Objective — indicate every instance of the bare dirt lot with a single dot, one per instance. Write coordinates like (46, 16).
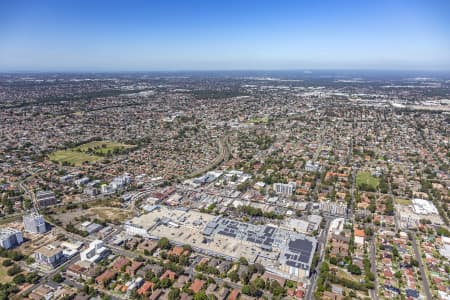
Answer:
(103, 213)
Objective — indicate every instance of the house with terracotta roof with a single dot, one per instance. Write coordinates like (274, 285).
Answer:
(145, 288)
(132, 269)
(339, 245)
(359, 236)
(120, 263)
(299, 294)
(168, 274)
(233, 295)
(178, 251)
(148, 245)
(81, 270)
(197, 285)
(106, 276)
(331, 296)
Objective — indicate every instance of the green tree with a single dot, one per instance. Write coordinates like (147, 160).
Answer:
(276, 289)
(354, 269)
(234, 276)
(164, 243)
(200, 296)
(58, 278)
(174, 294)
(243, 261)
(19, 279)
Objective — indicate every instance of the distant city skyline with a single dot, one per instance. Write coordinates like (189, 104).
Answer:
(228, 35)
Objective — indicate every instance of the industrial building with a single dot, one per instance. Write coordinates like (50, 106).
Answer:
(90, 227)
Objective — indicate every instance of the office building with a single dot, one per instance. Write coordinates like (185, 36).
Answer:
(49, 255)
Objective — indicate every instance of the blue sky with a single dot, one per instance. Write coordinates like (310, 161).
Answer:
(69, 35)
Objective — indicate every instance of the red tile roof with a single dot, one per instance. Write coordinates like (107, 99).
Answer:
(145, 287)
(359, 232)
(197, 285)
(120, 262)
(233, 295)
(168, 274)
(108, 274)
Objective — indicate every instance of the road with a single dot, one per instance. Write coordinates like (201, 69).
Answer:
(25, 189)
(397, 225)
(423, 274)
(352, 194)
(321, 244)
(47, 277)
(373, 268)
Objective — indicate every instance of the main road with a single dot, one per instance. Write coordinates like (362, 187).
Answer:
(423, 274)
(321, 242)
(373, 268)
(224, 153)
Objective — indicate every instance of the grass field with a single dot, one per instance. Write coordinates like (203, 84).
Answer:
(263, 120)
(366, 179)
(345, 275)
(102, 147)
(111, 213)
(89, 152)
(72, 157)
(403, 201)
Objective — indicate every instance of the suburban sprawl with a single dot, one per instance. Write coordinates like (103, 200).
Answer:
(225, 185)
